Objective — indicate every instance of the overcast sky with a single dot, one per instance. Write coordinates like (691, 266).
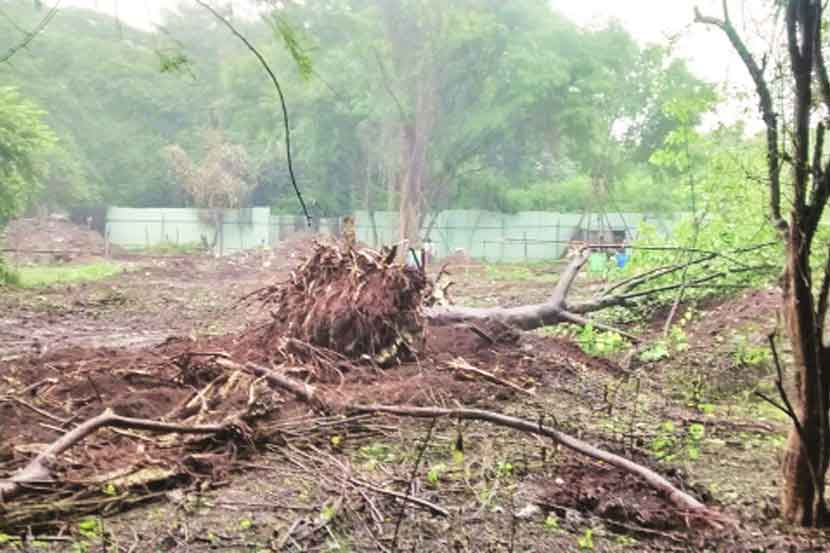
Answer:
(649, 21)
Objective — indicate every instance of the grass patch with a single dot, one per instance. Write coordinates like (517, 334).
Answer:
(525, 272)
(8, 276)
(30, 277)
(172, 248)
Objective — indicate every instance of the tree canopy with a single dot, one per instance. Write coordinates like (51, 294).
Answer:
(25, 141)
(473, 104)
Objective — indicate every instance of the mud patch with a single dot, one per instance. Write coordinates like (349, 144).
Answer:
(609, 493)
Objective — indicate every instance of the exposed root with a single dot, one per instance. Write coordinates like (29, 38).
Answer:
(357, 302)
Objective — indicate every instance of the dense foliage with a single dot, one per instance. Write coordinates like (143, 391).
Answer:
(478, 103)
(25, 141)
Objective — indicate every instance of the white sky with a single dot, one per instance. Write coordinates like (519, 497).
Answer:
(649, 21)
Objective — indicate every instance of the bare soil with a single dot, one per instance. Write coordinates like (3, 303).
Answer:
(303, 482)
(49, 240)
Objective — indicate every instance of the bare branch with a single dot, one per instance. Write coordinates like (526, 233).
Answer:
(37, 471)
(676, 496)
(412, 476)
(299, 389)
(385, 80)
(768, 114)
(787, 409)
(461, 364)
(568, 276)
(30, 36)
(621, 299)
(274, 80)
(406, 498)
(578, 319)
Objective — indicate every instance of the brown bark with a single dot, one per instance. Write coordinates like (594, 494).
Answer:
(805, 459)
(526, 317)
(806, 456)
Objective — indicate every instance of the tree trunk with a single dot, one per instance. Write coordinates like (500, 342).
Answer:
(410, 186)
(806, 454)
(526, 317)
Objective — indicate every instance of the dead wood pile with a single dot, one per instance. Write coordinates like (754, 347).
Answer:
(358, 302)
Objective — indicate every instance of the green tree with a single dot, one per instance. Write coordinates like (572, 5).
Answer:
(25, 140)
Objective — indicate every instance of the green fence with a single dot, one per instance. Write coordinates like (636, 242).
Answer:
(486, 235)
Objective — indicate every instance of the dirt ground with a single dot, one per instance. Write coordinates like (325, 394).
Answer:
(293, 480)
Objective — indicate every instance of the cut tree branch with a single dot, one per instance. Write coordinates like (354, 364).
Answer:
(38, 470)
(674, 495)
(677, 497)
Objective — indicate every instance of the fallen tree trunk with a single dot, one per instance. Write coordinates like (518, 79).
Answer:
(526, 317)
(558, 310)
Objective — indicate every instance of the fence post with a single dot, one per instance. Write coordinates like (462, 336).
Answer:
(524, 237)
(556, 244)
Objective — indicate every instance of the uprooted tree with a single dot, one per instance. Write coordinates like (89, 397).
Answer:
(799, 141)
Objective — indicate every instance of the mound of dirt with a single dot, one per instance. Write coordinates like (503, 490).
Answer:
(62, 239)
(609, 493)
(357, 302)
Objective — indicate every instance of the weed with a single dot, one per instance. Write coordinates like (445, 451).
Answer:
(625, 540)
(172, 248)
(656, 352)
(747, 354)
(375, 454)
(669, 442)
(665, 443)
(596, 342)
(504, 469)
(90, 527)
(434, 473)
(336, 544)
(551, 523)
(678, 340)
(693, 438)
(8, 276)
(328, 512)
(9, 540)
(518, 273)
(586, 540)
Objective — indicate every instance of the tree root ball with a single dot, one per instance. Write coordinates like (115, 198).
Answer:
(359, 302)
